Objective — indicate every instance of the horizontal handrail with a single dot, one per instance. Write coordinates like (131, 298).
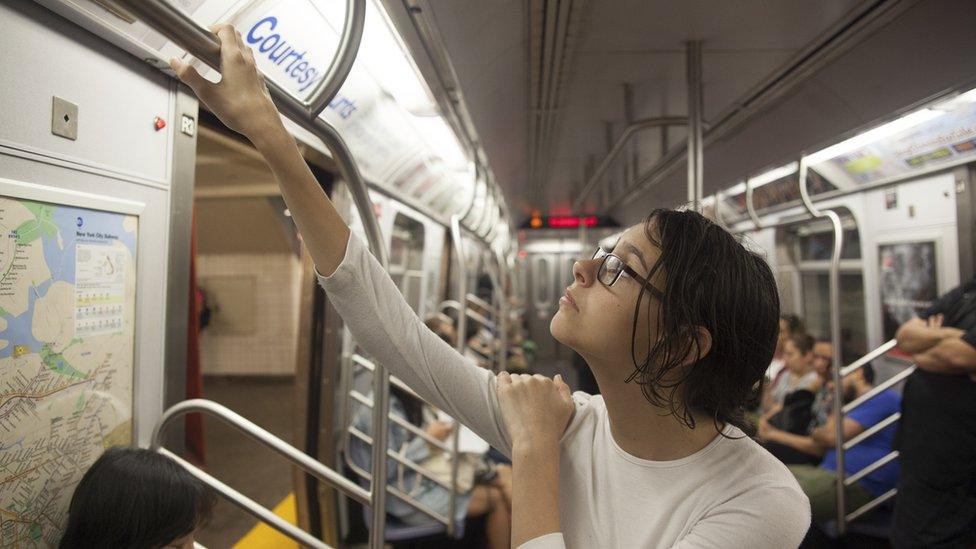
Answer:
(481, 303)
(247, 504)
(867, 433)
(419, 469)
(393, 490)
(871, 504)
(456, 305)
(878, 389)
(261, 436)
(368, 402)
(368, 365)
(879, 463)
(618, 147)
(859, 363)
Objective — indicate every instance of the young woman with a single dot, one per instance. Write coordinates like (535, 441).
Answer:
(800, 373)
(678, 326)
(132, 498)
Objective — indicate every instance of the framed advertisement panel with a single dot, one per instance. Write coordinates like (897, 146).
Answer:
(909, 278)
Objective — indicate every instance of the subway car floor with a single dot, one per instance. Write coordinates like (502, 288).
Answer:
(243, 464)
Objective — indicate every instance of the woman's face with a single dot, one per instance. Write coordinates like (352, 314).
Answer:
(597, 321)
(794, 360)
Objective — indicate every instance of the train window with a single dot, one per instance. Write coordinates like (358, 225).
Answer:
(809, 246)
(816, 311)
(818, 246)
(407, 259)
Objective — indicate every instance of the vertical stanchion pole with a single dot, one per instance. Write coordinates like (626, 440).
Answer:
(461, 346)
(834, 285)
(694, 81)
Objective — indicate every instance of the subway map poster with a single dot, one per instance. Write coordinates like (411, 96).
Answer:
(67, 334)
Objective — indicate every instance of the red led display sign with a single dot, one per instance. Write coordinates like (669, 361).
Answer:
(568, 222)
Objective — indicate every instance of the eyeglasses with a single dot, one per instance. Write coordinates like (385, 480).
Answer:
(612, 267)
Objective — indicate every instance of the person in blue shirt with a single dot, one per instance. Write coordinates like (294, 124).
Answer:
(819, 482)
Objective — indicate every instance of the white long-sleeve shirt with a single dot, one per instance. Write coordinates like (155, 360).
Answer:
(732, 493)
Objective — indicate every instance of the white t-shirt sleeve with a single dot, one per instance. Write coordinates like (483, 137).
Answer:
(770, 518)
(385, 326)
(548, 541)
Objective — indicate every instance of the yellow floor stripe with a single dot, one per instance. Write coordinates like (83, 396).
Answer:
(263, 536)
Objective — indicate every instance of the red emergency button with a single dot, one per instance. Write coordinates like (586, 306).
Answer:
(159, 123)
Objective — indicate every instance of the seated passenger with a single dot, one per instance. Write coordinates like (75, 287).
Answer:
(823, 361)
(936, 504)
(819, 483)
(133, 498)
(798, 375)
(660, 458)
(472, 500)
(789, 326)
(794, 446)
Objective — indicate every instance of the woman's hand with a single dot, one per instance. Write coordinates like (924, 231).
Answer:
(535, 408)
(241, 99)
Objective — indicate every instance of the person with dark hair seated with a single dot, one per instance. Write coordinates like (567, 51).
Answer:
(819, 483)
(789, 326)
(132, 498)
(790, 399)
(789, 439)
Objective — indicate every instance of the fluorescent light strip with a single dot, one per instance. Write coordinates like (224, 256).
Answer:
(885, 130)
(773, 175)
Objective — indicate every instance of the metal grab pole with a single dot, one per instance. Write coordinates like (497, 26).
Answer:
(750, 207)
(694, 81)
(345, 56)
(834, 278)
(260, 435)
(618, 147)
(247, 504)
(461, 344)
(185, 32)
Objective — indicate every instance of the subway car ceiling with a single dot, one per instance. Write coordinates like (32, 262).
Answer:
(522, 117)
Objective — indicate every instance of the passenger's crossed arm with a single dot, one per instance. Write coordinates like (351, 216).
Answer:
(937, 349)
(919, 335)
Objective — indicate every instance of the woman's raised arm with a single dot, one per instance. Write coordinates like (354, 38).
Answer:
(242, 102)
(363, 293)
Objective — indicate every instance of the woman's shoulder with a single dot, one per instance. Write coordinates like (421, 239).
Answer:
(748, 463)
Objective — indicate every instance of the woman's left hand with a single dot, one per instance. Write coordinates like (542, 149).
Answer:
(535, 409)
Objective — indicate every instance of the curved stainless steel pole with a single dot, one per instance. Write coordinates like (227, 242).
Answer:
(461, 345)
(247, 504)
(618, 147)
(474, 192)
(335, 75)
(260, 435)
(717, 210)
(752, 209)
(693, 73)
(834, 284)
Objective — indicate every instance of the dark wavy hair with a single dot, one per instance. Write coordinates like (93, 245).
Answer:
(135, 499)
(803, 342)
(711, 282)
